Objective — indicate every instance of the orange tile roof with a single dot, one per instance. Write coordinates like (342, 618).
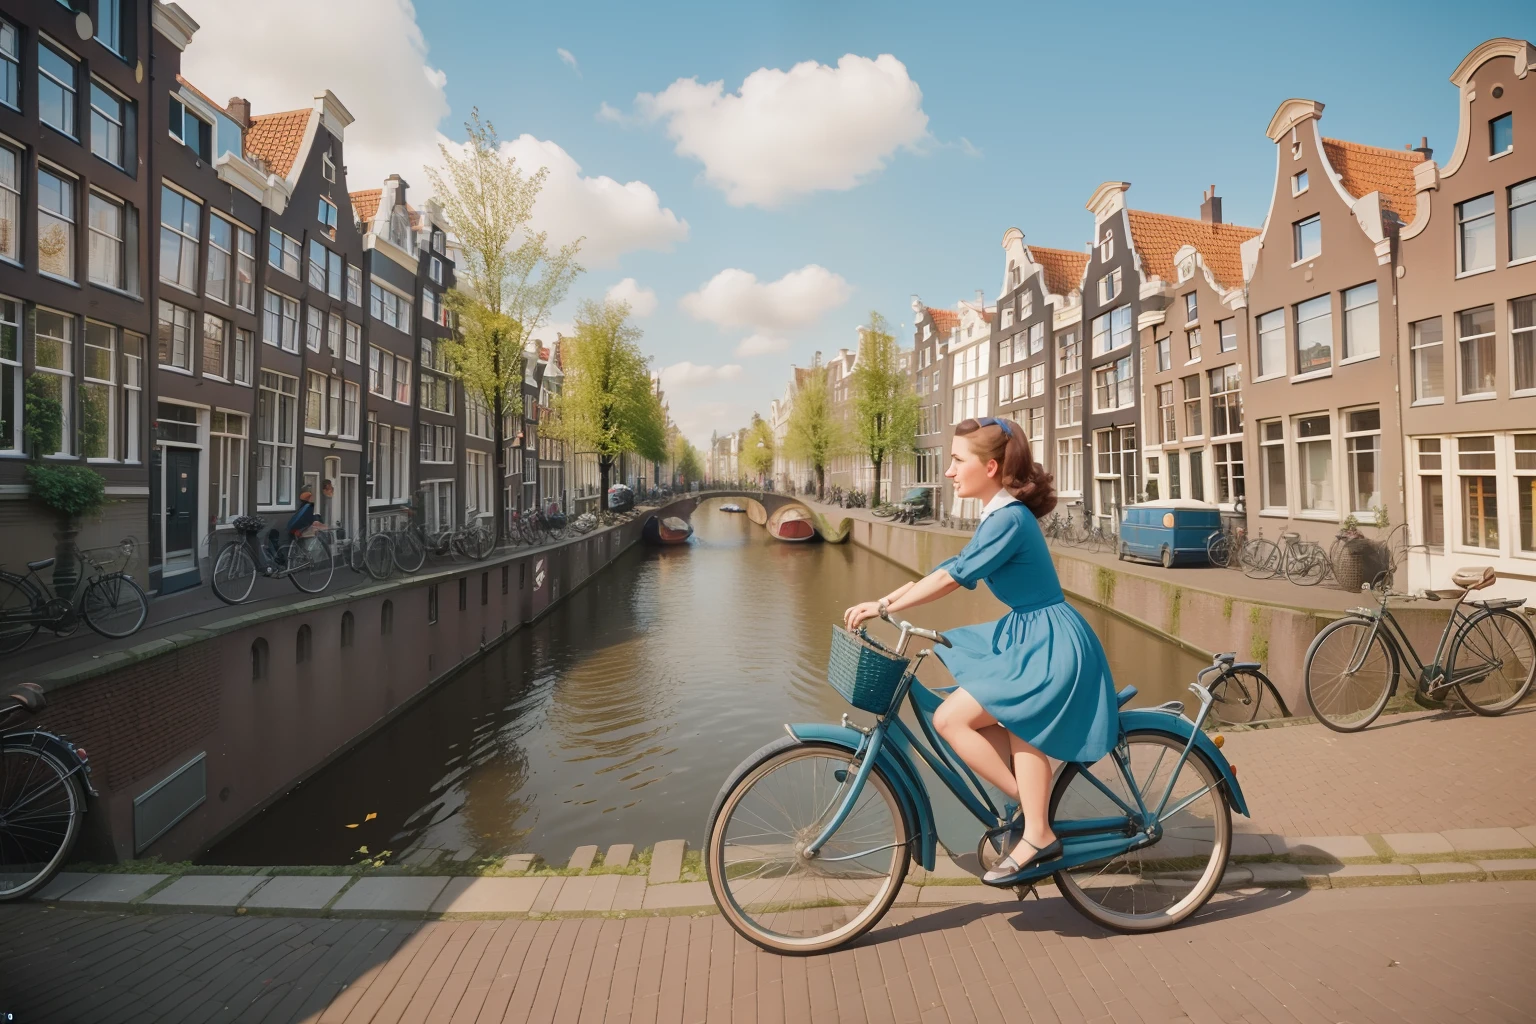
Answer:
(366, 203)
(275, 138)
(202, 95)
(943, 319)
(1063, 268)
(1158, 236)
(1367, 169)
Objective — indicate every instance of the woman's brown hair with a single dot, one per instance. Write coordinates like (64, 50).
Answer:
(1004, 441)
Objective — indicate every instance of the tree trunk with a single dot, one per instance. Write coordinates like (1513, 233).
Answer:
(604, 465)
(499, 437)
(821, 482)
(874, 491)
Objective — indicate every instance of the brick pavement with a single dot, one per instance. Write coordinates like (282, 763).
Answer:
(1427, 954)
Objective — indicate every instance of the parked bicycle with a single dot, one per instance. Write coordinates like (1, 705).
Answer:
(255, 550)
(1487, 656)
(373, 556)
(105, 598)
(1224, 547)
(1242, 693)
(810, 839)
(44, 779)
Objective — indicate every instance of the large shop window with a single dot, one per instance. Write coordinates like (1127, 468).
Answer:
(1314, 463)
(277, 428)
(1476, 469)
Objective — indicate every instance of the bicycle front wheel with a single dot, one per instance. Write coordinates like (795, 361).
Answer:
(378, 556)
(18, 603)
(766, 887)
(114, 606)
(1157, 886)
(310, 565)
(1349, 673)
(1244, 697)
(234, 573)
(1306, 568)
(479, 541)
(410, 551)
(40, 809)
(1493, 660)
(1262, 560)
(1218, 548)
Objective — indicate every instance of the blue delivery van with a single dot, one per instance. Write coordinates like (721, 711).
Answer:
(1172, 531)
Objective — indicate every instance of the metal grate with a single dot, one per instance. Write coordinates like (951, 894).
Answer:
(159, 808)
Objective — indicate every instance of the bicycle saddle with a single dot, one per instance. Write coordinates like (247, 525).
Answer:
(29, 696)
(1475, 577)
(41, 563)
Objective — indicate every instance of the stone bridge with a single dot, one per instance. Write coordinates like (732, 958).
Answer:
(762, 508)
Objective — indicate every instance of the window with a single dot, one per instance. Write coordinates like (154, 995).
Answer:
(317, 262)
(1362, 324)
(280, 322)
(109, 115)
(1167, 421)
(227, 440)
(10, 373)
(436, 442)
(1112, 330)
(190, 130)
(354, 342)
(381, 371)
(1431, 493)
(1298, 183)
(1228, 462)
(1426, 341)
(1525, 489)
(1007, 316)
(1314, 462)
(1228, 331)
(54, 349)
(1522, 221)
(1314, 334)
(277, 412)
(1362, 439)
(355, 285)
(283, 252)
(477, 417)
(1069, 404)
(402, 380)
(1036, 338)
(179, 218)
(1112, 386)
(429, 304)
(221, 242)
(435, 267)
(245, 270)
(1193, 427)
(1474, 235)
(1475, 464)
(215, 347)
(1197, 474)
(333, 334)
(1501, 134)
(1036, 425)
(1004, 353)
(1226, 402)
(389, 307)
(1026, 304)
(327, 215)
(1191, 308)
(1272, 464)
(1109, 286)
(174, 336)
(10, 65)
(1069, 353)
(351, 403)
(314, 403)
(1309, 237)
(1474, 341)
(1192, 344)
(10, 203)
(55, 224)
(106, 256)
(1162, 350)
(1272, 343)
(1037, 380)
(314, 329)
(109, 25)
(56, 88)
(133, 393)
(1522, 340)
(242, 345)
(98, 393)
(438, 244)
(1069, 465)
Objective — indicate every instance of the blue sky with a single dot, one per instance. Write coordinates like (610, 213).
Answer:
(1028, 108)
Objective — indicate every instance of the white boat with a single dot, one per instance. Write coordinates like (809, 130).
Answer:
(731, 508)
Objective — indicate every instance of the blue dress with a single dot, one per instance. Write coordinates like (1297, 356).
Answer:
(1039, 670)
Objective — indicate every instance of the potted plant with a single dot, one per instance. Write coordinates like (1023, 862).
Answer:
(1360, 559)
(71, 493)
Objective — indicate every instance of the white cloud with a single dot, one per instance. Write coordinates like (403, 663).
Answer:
(691, 375)
(786, 133)
(398, 112)
(760, 345)
(567, 58)
(642, 301)
(607, 112)
(735, 298)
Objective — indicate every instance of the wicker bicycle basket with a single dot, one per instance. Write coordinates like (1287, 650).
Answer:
(862, 673)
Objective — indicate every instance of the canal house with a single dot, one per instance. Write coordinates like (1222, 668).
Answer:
(969, 354)
(1467, 330)
(930, 331)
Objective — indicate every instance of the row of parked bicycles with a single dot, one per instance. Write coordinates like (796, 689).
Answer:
(1349, 560)
(100, 594)
(1079, 528)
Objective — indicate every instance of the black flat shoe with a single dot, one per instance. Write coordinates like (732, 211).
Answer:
(1008, 870)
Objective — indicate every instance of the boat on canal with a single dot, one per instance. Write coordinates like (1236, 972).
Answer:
(731, 507)
(791, 523)
(668, 530)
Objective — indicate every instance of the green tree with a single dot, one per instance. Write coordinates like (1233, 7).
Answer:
(608, 405)
(757, 452)
(691, 466)
(509, 278)
(814, 434)
(884, 404)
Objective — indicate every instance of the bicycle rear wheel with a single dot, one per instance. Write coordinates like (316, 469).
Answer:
(234, 572)
(1244, 697)
(1306, 567)
(767, 812)
(18, 601)
(1157, 886)
(1350, 671)
(410, 551)
(114, 606)
(1262, 560)
(479, 540)
(1496, 654)
(1218, 548)
(378, 556)
(40, 809)
(310, 565)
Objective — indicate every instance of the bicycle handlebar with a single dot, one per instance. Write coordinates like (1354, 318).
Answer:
(927, 634)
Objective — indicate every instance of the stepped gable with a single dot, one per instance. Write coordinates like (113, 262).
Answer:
(275, 139)
(1365, 169)
(1158, 236)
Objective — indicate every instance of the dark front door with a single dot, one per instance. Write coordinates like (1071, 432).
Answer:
(181, 491)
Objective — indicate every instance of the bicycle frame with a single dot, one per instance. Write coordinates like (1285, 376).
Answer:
(891, 744)
(38, 611)
(1425, 673)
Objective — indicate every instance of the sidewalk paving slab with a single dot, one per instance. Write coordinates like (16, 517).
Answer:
(1277, 875)
(1335, 848)
(675, 895)
(630, 893)
(1449, 871)
(1529, 832)
(1370, 874)
(1510, 870)
(604, 889)
(488, 896)
(1408, 844)
(112, 888)
(62, 883)
(961, 894)
(398, 893)
(667, 860)
(582, 858)
(207, 890)
(544, 902)
(619, 855)
(297, 892)
(1256, 844)
(573, 894)
(1476, 840)
(518, 862)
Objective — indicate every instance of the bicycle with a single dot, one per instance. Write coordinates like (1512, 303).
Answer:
(1224, 547)
(307, 562)
(44, 779)
(1239, 693)
(105, 598)
(373, 557)
(809, 840)
(1266, 559)
(1353, 666)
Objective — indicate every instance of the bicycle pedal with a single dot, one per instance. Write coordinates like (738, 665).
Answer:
(1023, 891)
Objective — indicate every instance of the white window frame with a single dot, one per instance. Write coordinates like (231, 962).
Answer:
(1298, 230)
(289, 253)
(104, 240)
(1271, 441)
(1481, 220)
(1325, 303)
(245, 269)
(65, 372)
(1522, 336)
(170, 359)
(109, 384)
(119, 124)
(220, 254)
(1302, 445)
(1486, 340)
(66, 216)
(1271, 342)
(177, 235)
(1362, 319)
(1462, 473)
(285, 319)
(284, 391)
(11, 375)
(227, 453)
(70, 111)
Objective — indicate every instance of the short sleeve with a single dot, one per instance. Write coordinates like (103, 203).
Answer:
(993, 545)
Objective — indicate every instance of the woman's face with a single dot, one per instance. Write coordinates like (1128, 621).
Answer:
(973, 478)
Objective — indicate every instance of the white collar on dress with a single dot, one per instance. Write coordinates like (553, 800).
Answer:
(999, 500)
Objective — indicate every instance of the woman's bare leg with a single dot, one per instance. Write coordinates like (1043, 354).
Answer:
(966, 726)
(1033, 771)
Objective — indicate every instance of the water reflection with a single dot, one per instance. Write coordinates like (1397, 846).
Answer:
(618, 716)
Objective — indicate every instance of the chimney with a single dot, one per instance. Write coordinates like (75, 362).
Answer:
(239, 109)
(1423, 148)
(1210, 207)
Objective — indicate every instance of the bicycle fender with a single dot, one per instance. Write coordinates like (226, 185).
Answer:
(66, 753)
(1182, 728)
(903, 775)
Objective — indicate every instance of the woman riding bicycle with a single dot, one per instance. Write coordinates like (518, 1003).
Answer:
(1034, 685)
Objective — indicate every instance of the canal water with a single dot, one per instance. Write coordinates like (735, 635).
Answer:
(617, 717)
